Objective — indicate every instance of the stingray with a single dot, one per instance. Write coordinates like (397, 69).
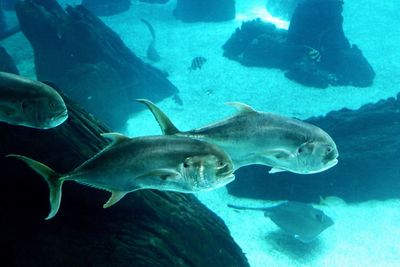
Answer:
(297, 219)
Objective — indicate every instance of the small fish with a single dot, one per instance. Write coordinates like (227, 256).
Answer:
(252, 137)
(297, 219)
(167, 163)
(152, 53)
(197, 63)
(30, 103)
(314, 54)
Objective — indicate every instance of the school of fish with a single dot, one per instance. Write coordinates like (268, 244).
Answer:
(183, 161)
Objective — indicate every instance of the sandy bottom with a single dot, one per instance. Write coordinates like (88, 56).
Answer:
(365, 234)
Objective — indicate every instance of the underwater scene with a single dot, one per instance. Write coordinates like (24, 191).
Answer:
(200, 133)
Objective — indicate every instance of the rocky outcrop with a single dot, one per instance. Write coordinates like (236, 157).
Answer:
(313, 51)
(368, 143)
(78, 52)
(146, 228)
(204, 10)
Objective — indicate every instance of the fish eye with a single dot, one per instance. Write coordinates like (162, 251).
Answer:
(319, 217)
(299, 150)
(329, 149)
(221, 164)
(185, 165)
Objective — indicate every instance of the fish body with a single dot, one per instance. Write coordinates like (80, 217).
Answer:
(297, 219)
(30, 103)
(197, 63)
(152, 53)
(313, 53)
(252, 137)
(167, 163)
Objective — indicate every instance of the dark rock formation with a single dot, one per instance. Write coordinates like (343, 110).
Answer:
(146, 228)
(314, 51)
(8, 4)
(106, 7)
(7, 64)
(369, 144)
(204, 10)
(79, 53)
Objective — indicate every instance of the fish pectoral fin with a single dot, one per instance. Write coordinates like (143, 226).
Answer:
(164, 174)
(116, 138)
(7, 110)
(275, 170)
(115, 197)
(279, 153)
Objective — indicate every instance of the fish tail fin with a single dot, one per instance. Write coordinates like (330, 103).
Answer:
(51, 177)
(166, 125)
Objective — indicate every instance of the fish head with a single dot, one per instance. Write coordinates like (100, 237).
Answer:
(208, 171)
(316, 156)
(321, 219)
(44, 112)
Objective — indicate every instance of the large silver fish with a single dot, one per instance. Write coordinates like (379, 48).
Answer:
(252, 137)
(168, 163)
(300, 220)
(30, 103)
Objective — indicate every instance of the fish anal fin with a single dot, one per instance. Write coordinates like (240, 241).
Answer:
(116, 138)
(164, 174)
(241, 107)
(115, 197)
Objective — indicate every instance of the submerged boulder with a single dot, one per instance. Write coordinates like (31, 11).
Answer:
(313, 51)
(76, 51)
(146, 228)
(368, 169)
(204, 10)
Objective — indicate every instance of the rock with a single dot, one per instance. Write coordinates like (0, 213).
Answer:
(7, 64)
(313, 51)
(368, 167)
(146, 228)
(78, 52)
(106, 7)
(204, 10)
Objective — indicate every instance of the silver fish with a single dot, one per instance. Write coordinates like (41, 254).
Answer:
(252, 137)
(197, 63)
(30, 103)
(300, 220)
(313, 53)
(167, 163)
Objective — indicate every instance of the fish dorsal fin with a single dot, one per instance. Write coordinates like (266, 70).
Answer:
(116, 138)
(166, 125)
(241, 107)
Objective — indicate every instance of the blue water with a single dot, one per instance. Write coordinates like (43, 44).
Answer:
(364, 234)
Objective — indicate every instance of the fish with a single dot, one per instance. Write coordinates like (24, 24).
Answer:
(297, 219)
(197, 63)
(152, 53)
(253, 137)
(166, 163)
(313, 53)
(30, 103)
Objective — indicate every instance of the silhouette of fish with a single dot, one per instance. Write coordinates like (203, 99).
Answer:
(297, 219)
(152, 53)
(197, 63)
